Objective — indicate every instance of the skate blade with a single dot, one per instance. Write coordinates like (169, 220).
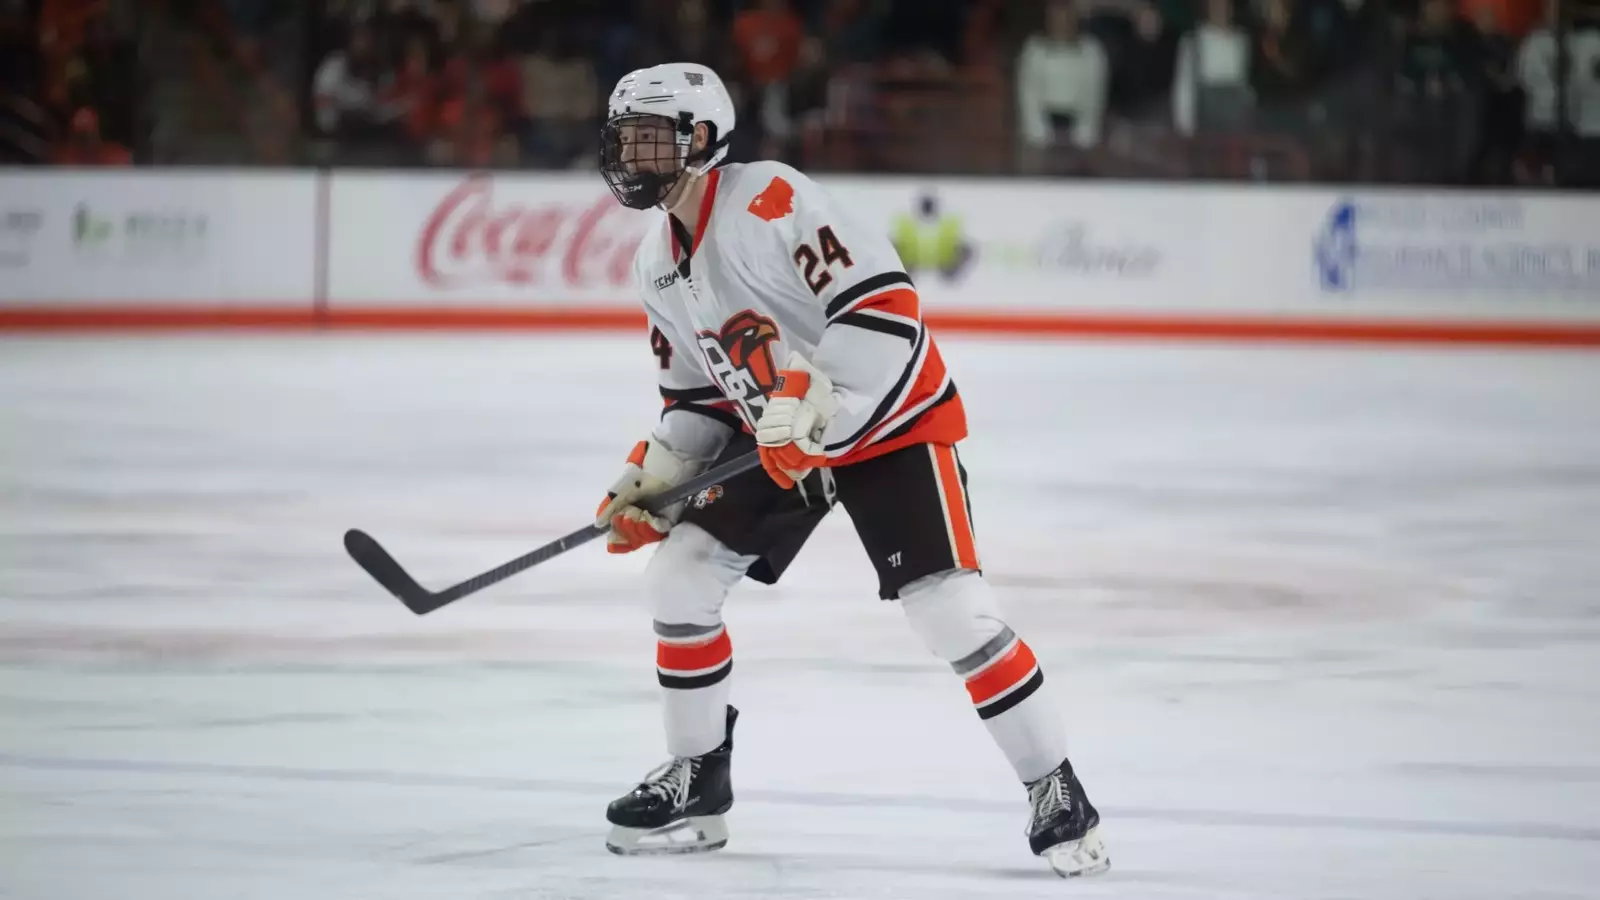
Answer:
(696, 834)
(1085, 856)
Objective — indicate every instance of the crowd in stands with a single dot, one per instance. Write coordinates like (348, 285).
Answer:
(68, 83)
(1452, 91)
(1462, 90)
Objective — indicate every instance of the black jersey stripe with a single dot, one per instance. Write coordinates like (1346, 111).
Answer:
(891, 400)
(878, 324)
(850, 295)
(711, 412)
(692, 395)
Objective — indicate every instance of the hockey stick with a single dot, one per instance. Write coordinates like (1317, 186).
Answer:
(371, 556)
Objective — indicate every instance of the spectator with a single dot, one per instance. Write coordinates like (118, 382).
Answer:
(346, 87)
(85, 147)
(1512, 18)
(1214, 60)
(400, 24)
(849, 31)
(1062, 82)
(804, 114)
(768, 38)
(503, 104)
(1583, 84)
(1440, 105)
(1503, 99)
(1140, 47)
(1340, 33)
(450, 21)
(1435, 61)
(1536, 74)
(1576, 161)
(693, 38)
(62, 26)
(562, 97)
(1281, 64)
(412, 97)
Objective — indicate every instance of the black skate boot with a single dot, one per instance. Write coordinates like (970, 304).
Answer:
(678, 807)
(1065, 827)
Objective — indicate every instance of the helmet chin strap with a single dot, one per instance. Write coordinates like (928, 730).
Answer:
(686, 180)
(689, 174)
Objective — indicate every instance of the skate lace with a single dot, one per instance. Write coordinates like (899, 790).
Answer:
(1049, 796)
(670, 780)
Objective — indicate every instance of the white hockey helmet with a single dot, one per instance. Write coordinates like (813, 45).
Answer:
(680, 95)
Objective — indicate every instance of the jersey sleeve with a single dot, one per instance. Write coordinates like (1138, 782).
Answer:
(696, 419)
(874, 346)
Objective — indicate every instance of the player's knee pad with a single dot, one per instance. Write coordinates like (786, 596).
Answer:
(689, 576)
(954, 612)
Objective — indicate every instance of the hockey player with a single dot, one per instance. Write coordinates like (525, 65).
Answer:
(779, 323)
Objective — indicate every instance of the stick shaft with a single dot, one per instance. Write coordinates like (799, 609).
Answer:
(384, 569)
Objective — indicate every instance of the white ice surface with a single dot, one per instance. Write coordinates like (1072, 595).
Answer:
(1325, 623)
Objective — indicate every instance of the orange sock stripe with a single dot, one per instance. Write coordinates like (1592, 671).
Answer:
(694, 657)
(1008, 671)
(955, 507)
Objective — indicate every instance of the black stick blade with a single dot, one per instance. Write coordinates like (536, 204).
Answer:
(377, 562)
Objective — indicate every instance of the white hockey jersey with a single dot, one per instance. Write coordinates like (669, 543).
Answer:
(776, 265)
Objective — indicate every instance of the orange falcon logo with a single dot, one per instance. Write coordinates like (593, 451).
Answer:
(739, 359)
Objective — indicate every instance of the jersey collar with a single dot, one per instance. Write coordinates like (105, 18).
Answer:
(706, 202)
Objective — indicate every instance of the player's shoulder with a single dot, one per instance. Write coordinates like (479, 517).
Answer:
(767, 189)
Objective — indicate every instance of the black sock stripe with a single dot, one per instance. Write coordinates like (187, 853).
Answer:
(1012, 699)
(689, 683)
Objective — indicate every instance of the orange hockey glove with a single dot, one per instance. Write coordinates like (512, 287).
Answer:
(789, 433)
(651, 468)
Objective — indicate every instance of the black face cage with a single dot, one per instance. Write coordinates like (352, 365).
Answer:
(667, 155)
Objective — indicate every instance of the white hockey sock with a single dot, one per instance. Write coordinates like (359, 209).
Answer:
(958, 618)
(693, 663)
(1007, 688)
(687, 580)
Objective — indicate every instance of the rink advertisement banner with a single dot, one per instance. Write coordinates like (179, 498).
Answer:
(1487, 252)
(1041, 246)
(509, 240)
(443, 249)
(149, 239)
(980, 248)
(442, 240)
(1160, 249)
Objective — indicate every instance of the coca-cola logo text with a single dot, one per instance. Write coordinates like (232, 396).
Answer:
(470, 241)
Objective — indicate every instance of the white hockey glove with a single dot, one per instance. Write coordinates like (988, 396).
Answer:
(789, 433)
(652, 468)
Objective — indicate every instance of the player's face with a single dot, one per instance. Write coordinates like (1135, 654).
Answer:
(648, 148)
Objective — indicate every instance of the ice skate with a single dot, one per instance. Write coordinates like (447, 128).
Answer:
(678, 807)
(1064, 828)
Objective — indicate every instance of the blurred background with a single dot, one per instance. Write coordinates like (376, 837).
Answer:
(1307, 537)
(1449, 92)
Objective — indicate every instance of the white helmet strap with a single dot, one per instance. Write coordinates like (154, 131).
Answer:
(715, 143)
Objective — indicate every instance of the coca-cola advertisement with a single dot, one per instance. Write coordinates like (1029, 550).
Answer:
(481, 240)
